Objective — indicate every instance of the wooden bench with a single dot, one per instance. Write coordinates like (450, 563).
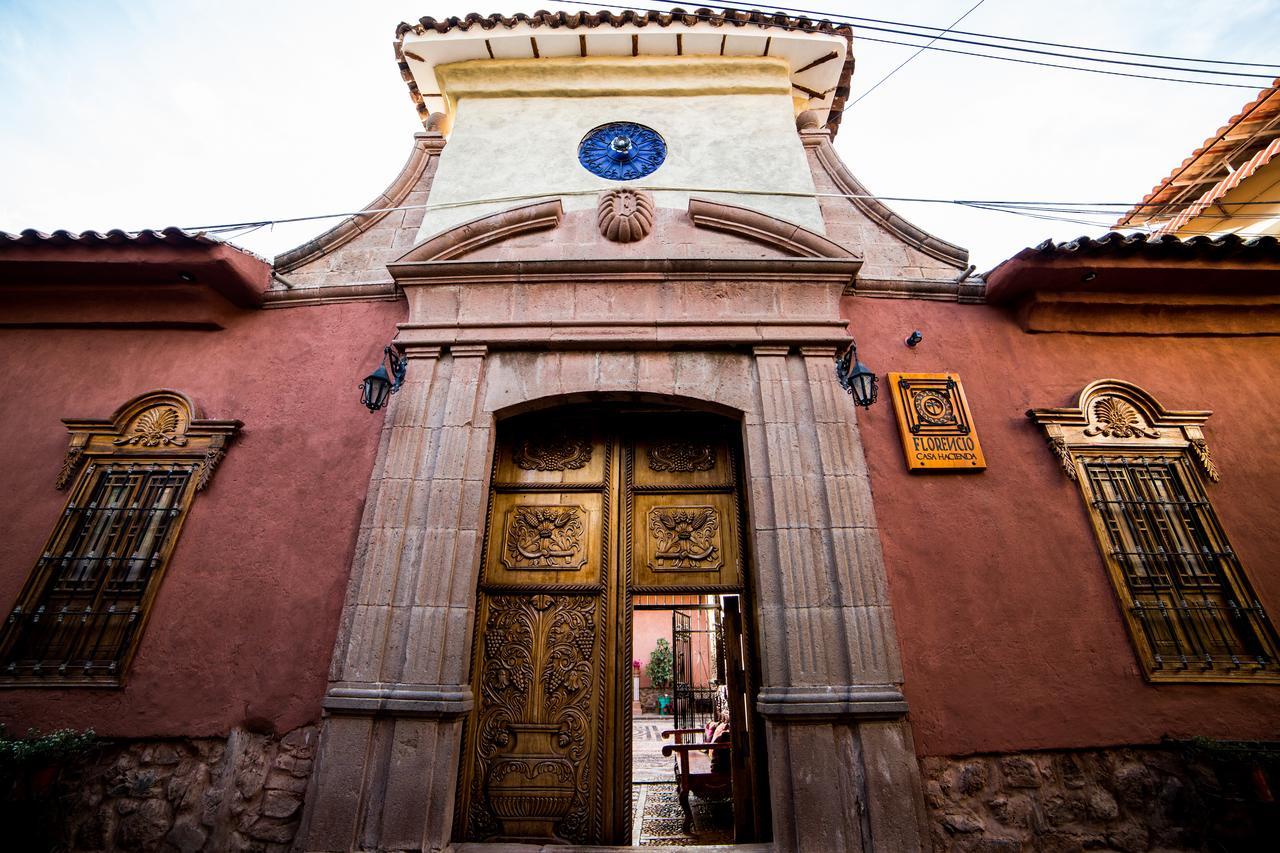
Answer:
(693, 769)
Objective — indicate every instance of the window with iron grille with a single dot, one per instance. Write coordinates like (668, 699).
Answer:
(132, 479)
(83, 610)
(1188, 604)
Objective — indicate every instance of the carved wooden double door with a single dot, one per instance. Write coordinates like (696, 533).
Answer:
(584, 510)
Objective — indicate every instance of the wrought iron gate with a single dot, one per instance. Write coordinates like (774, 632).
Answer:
(693, 688)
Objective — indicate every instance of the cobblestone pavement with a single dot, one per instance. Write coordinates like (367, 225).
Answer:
(656, 816)
(657, 819)
(647, 763)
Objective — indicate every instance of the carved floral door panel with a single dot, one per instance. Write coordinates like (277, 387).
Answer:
(684, 509)
(582, 510)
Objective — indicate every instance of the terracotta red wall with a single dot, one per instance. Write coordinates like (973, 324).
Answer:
(1010, 630)
(244, 623)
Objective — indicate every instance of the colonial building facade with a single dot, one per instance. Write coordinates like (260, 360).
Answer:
(992, 610)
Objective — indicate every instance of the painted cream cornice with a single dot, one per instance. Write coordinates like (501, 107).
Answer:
(612, 76)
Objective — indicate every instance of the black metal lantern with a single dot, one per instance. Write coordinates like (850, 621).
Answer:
(382, 383)
(856, 378)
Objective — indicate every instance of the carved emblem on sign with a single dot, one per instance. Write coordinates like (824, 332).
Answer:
(1114, 418)
(682, 456)
(155, 428)
(684, 537)
(933, 407)
(934, 423)
(554, 452)
(544, 537)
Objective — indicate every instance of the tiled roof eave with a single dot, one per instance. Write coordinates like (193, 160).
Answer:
(1264, 109)
(171, 237)
(1200, 247)
(1198, 262)
(148, 256)
(605, 18)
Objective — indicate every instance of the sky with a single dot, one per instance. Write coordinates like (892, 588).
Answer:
(147, 114)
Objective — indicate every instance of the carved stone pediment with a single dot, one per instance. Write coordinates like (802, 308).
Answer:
(1118, 415)
(160, 424)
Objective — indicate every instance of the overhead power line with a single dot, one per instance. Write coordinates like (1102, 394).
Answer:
(1087, 208)
(900, 65)
(1253, 88)
(980, 54)
(1266, 78)
(1275, 67)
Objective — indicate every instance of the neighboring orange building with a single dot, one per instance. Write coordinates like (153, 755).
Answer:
(299, 625)
(1229, 185)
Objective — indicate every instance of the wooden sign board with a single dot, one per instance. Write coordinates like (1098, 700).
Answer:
(935, 423)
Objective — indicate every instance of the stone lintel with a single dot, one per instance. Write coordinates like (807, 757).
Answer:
(811, 704)
(473, 339)
(624, 269)
(401, 700)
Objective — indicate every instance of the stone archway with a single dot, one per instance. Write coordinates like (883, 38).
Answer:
(830, 693)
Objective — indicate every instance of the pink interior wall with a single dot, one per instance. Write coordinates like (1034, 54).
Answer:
(1010, 630)
(244, 622)
(649, 625)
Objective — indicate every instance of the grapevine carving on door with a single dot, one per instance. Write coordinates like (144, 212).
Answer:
(552, 452)
(533, 744)
(682, 456)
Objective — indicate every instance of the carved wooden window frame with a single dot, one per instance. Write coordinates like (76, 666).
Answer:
(158, 441)
(1118, 425)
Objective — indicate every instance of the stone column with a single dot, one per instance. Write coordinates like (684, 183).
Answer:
(386, 771)
(843, 771)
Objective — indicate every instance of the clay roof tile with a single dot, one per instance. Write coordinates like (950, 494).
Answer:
(639, 18)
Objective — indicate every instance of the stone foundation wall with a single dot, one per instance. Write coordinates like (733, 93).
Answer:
(239, 793)
(1126, 799)
(649, 698)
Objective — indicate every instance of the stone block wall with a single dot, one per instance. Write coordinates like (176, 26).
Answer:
(1123, 799)
(240, 793)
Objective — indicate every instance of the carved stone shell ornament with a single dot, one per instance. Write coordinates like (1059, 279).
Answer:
(156, 428)
(1114, 418)
(625, 216)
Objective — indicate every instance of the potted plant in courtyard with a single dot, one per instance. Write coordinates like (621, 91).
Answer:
(659, 672)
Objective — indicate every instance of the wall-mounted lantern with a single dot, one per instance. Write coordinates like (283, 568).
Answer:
(383, 381)
(856, 378)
